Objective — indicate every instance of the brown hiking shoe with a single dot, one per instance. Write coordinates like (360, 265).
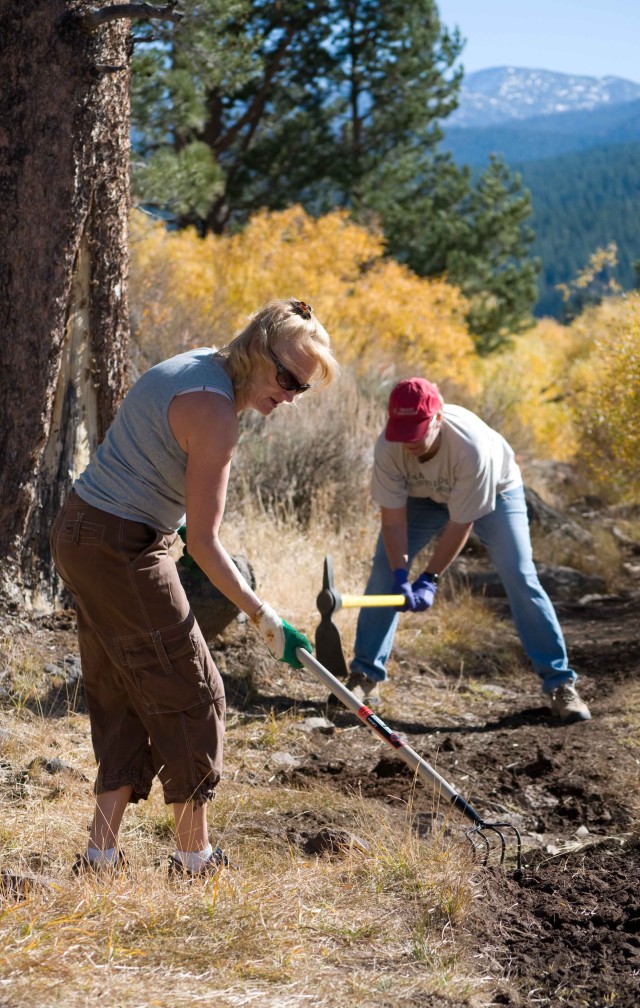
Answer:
(364, 689)
(567, 705)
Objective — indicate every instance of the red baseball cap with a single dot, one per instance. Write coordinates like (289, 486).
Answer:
(413, 403)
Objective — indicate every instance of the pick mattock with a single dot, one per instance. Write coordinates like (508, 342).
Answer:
(330, 601)
(328, 645)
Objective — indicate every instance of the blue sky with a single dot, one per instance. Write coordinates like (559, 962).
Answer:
(600, 38)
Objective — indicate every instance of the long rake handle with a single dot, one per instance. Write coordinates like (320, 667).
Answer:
(371, 601)
(404, 751)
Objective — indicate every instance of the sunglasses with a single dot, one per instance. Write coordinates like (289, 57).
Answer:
(285, 378)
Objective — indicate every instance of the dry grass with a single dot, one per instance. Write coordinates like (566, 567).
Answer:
(288, 561)
(285, 929)
(602, 556)
(463, 633)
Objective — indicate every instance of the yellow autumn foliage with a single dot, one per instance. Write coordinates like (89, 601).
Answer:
(596, 276)
(186, 291)
(525, 390)
(572, 394)
(606, 397)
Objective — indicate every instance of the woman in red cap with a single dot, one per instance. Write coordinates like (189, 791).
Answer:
(439, 472)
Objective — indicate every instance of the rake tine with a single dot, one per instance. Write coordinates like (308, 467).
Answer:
(477, 830)
(410, 756)
(503, 845)
(497, 829)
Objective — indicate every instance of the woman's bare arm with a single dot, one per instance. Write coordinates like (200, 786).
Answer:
(206, 427)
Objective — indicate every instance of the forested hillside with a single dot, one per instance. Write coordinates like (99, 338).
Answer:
(582, 170)
(581, 202)
(545, 136)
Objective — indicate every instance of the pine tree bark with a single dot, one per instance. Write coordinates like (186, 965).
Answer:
(64, 192)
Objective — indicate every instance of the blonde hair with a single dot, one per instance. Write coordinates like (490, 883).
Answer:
(280, 322)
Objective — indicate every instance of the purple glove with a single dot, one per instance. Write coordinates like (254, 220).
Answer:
(424, 591)
(402, 586)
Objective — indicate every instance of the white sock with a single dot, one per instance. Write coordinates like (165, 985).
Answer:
(108, 856)
(192, 860)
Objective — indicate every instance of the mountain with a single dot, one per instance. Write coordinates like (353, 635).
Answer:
(575, 141)
(505, 94)
(545, 136)
(527, 115)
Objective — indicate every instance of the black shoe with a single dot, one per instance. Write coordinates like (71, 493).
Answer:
(83, 866)
(214, 863)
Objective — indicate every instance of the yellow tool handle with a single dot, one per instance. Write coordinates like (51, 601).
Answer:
(370, 601)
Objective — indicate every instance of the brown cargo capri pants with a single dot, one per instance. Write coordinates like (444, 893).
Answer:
(155, 697)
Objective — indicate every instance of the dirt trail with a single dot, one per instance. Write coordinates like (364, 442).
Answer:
(566, 930)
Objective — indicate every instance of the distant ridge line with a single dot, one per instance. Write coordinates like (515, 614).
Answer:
(507, 94)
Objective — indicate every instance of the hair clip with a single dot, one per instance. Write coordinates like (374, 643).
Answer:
(301, 308)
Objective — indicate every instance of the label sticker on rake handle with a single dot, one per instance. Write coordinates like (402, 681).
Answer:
(380, 727)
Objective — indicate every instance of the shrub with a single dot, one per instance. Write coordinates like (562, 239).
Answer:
(187, 291)
(319, 460)
(525, 394)
(606, 399)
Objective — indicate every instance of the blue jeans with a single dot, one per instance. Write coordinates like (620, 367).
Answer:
(505, 535)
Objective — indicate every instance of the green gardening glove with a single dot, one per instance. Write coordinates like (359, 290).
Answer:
(294, 639)
(280, 637)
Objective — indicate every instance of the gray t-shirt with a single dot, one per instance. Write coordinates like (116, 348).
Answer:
(139, 470)
(471, 466)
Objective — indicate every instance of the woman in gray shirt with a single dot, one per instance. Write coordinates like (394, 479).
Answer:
(155, 698)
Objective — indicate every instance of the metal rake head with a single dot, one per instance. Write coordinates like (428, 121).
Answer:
(479, 833)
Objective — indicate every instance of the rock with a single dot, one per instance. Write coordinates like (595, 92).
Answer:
(568, 583)
(559, 582)
(54, 766)
(589, 600)
(553, 522)
(284, 761)
(70, 667)
(331, 840)
(631, 544)
(19, 885)
(320, 724)
(213, 610)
